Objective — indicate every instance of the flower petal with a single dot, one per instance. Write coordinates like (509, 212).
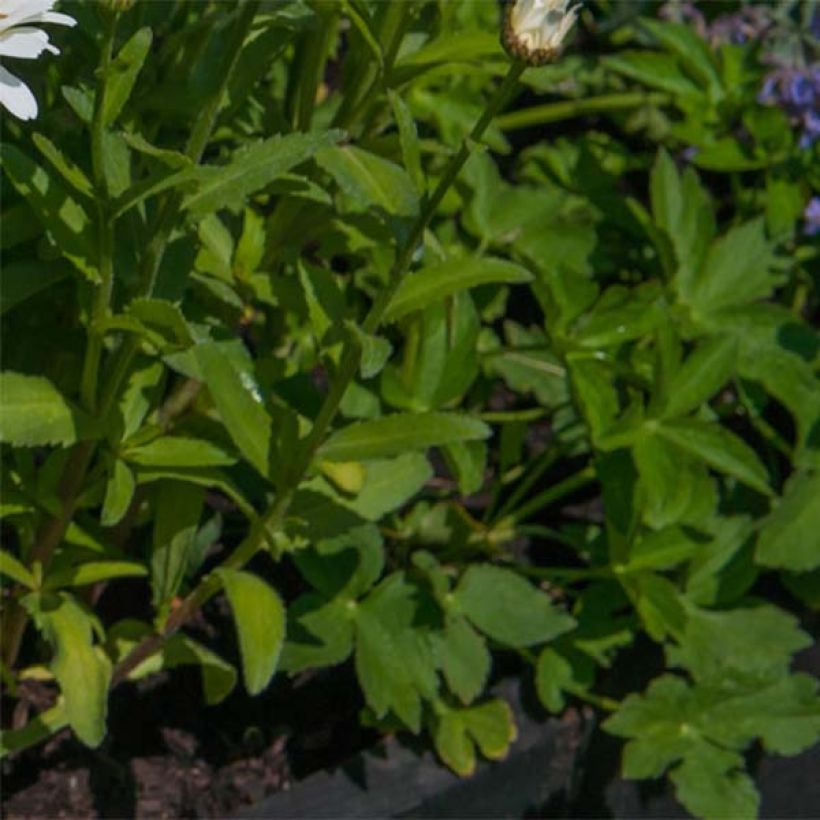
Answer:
(16, 96)
(25, 43)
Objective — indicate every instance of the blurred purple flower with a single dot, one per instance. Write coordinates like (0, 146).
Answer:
(801, 90)
(812, 217)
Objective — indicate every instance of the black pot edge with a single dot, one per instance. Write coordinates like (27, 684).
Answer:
(395, 780)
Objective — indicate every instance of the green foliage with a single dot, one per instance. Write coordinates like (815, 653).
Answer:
(550, 397)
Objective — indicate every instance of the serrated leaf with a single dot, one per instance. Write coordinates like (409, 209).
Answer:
(123, 73)
(748, 644)
(245, 418)
(738, 268)
(711, 785)
(381, 665)
(507, 608)
(33, 412)
(790, 535)
(719, 448)
(252, 169)
(59, 213)
(71, 173)
(553, 675)
(705, 371)
(432, 284)
(370, 181)
(83, 672)
(259, 615)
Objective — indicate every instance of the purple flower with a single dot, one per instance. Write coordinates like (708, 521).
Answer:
(812, 217)
(811, 129)
(801, 90)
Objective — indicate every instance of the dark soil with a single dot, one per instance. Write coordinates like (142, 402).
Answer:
(168, 756)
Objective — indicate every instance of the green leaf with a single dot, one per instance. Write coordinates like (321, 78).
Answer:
(507, 608)
(375, 350)
(259, 615)
(123, 73)
(753, 645)
(59, 213)
(33, 413)
(408, 139)
(490, 726)
(178, 510)
(673, 483)
(320, 633)
(370, 181)
(218, 676)
(710, 786)
(432, 284)
(164, 317)
(738, 269)
(71, 173)
(464, 659)
(23, 279)
(93, 571)
(179, 451)
(719, 448)
(245, 418)
(396, 434)
(790, 535)
(389, 484)
(250, 170)
(83, 671)
(381, 662)
(453, 744)
(38, 729)
(553, 675)
(468, 462)
(119, 490)
(705, 371)
(12, 568)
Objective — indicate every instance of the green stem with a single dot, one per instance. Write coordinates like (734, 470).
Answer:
(273, 518)
(568, 109)
(170, 208)
(53, 530)
(554, 493)
(105, 231)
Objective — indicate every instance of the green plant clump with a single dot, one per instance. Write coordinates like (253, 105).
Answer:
(471, 357)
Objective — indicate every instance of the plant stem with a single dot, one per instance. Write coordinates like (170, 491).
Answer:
(273, 518)
(567, 109)
(554, 493)
(52, 532)
(105, 231)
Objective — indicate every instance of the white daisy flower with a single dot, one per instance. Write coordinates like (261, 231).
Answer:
(19, 39)
(534, 30)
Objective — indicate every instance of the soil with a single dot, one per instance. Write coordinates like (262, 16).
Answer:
(167, 756)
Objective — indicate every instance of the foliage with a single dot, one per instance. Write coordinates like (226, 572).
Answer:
(214, 352)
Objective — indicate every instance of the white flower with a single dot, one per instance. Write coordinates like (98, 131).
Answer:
(20, 39)
(534, 30)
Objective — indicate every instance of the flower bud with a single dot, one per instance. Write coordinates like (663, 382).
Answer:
(534, 30)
